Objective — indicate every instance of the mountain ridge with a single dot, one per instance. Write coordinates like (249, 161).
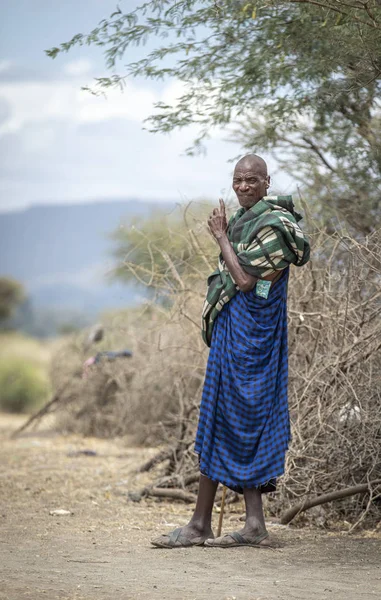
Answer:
(61, 253)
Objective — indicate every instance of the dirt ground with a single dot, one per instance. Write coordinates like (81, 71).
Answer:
(102, 550)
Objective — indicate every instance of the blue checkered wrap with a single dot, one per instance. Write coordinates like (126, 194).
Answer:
(244, 428)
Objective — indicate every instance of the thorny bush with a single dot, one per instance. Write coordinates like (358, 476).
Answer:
(334, 371)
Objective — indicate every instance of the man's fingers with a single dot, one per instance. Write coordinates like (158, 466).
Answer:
(222, 207)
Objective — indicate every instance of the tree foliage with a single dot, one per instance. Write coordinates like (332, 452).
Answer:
(303, 78)
(159, 252)
(11, 295)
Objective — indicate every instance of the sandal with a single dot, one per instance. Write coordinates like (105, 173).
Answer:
(236, 539)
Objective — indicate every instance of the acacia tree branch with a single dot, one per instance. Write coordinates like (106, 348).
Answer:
(317, 151)
(373, 24)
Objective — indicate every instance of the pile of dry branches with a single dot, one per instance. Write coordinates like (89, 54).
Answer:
(334, 384)
(334, 388)
(335, 376)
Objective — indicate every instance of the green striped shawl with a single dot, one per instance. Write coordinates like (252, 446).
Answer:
(266, 238)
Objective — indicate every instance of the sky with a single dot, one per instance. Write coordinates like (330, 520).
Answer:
(61, 144)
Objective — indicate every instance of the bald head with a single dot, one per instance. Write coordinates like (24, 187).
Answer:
(250, 180)
(255, 162)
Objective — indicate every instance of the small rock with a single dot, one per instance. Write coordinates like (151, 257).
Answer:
(60, 512)
(134, 496)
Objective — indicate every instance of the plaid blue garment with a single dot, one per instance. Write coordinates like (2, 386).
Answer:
(244, 428)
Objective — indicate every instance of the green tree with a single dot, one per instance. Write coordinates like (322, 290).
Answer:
(11, 295)
(165, 253)
(303, 78)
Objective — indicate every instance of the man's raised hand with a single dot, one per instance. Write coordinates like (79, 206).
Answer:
(222, 208)
(217, 222)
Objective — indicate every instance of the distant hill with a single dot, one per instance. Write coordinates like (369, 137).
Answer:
(61, 254)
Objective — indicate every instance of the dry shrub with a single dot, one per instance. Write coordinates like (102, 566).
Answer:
(92, 407)
(335, 375)
(334, 385)
(145, 396)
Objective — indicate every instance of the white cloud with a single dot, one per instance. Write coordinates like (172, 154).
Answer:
(173, 91)
(40, 102)
(134, 103)
(82, 66)
(43, 101)
(35, 102)
(59, 143)
(40, 141)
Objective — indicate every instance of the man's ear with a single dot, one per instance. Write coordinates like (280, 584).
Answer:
(268, 181)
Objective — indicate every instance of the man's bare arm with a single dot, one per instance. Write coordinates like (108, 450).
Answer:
(218, 225)
(244, 281)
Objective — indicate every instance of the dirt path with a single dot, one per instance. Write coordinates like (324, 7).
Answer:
(102, 550)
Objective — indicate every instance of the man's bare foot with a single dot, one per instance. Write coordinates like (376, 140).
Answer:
(189, 535)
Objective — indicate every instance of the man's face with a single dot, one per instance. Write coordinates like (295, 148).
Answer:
(250, 183)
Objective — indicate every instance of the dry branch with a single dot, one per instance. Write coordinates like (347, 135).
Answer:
(173, 493)
(155, 460)
(42, 412)
(291, 513)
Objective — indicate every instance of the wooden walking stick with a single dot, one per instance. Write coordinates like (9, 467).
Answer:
(221, 511)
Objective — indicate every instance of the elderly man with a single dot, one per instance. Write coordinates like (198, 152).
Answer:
(244, 430)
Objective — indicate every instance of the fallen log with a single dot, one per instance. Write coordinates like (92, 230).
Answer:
(337, 495)
(155, 460)
(174, 493)
(174, 481)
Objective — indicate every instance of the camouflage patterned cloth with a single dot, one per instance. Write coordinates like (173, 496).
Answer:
(266, 238)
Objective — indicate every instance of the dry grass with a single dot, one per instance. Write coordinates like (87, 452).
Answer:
(21, 346)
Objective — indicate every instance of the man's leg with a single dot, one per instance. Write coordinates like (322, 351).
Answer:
(255, 520)
(254, 527)
(201, 521)
(200, 524)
